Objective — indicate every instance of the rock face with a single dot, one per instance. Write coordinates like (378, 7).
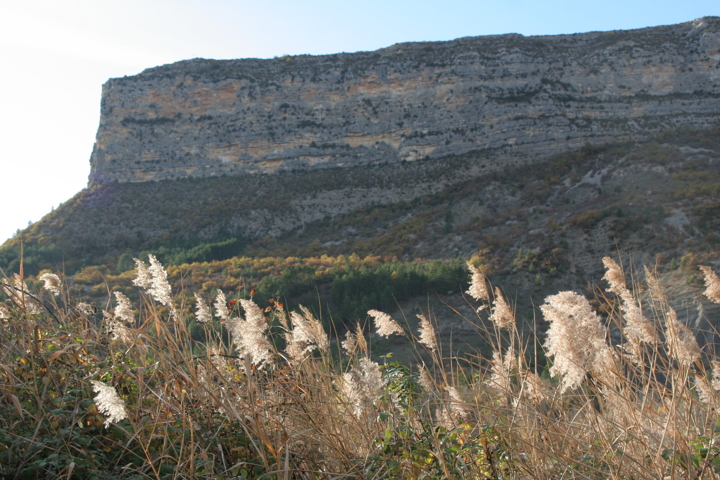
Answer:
(505, 99)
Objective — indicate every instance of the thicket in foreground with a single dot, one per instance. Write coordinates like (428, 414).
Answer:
(124, 393)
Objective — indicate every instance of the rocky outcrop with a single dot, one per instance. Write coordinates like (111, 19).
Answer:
(505, 99)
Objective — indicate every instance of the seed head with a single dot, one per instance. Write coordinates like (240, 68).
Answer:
(249, 334)
(427, 333)
(478, 288)
(117, 329)
(52, 283)
(680, 340)
(712, 282)
(109, 403)
(84, 309)
(637, 329)
(614, 276)
(706, 393)
(160, 290)
(153, 280)
(425, 380)
(307, 332)
(716, 375)
(202, 311)
(456, 404)
(221, 309)
(500, 373)
(123, 310)
(384, 324)
(575, 338)
(362, 386)
(143, 279)
(502, 315)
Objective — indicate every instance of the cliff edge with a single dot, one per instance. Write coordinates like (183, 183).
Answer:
(511, 98)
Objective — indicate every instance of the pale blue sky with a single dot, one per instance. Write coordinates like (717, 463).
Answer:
(56, 54)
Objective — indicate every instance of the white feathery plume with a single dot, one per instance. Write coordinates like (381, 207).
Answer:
(363, 386)
(384, 324)
(372, 375)
(500, 373)
(355, 342)
(478, 288)
(52, 283)
(109, 403)
(655, 290)
(7, 289)
(680, 340)
(249, 334)
(221, 309)
(427, 333)
(457, 406)
(294, 350)
(17, 289)
(153, 280)
(160, 290)
(123, 309)
(425, 380)
(706, 393)
(352, 389)
(576, 338)
(614, 276)
(716, 375)
(502, 315)
(307, 332)
(117, 329)
(637, 328)
(202, 311)
(535, 388)
(361, 344)
(4, 312)
(712, 282)
(84, 309)
(350, 343)
(143, 279)
(19, 294)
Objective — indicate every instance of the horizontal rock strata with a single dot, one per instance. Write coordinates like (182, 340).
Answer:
(514, 98)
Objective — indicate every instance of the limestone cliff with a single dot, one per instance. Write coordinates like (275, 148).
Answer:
(510, 98)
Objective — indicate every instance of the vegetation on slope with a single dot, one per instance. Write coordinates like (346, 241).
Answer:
(536, 229)
(339, 288)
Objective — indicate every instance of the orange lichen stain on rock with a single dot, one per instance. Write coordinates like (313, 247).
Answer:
(312, 160)
(310, 94)
(392, 86)
(226, 153)
(270, 166)
(258, 148)
(416, 152)
(191, 149)
(359, 140)
(297, 142)
(197, 99)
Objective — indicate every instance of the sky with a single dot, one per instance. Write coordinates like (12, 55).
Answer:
(56, 54)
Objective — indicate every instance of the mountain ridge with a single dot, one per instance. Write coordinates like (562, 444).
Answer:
(508, 199)
(515, 99)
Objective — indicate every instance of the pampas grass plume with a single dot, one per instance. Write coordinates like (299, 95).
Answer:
(52, 283)
(109, 403)
(384, 324)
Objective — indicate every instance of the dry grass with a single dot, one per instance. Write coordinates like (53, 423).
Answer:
(268, 396)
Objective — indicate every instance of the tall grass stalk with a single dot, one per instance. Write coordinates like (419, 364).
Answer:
(126, 392)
